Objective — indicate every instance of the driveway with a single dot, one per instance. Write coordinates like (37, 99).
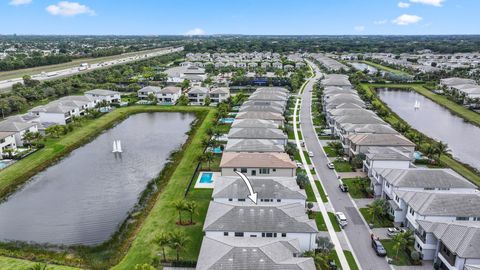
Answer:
(357, 232)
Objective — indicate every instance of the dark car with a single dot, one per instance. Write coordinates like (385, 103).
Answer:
(343, 187)
(378, 247)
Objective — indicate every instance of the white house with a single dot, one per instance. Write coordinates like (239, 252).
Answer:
(258, 164)
(451, 245)
(63, 110)
(286, 221)
(169, 95)
(386, 158)
(99, 95)
(270, 190)
(197, 95)
(19, 126)
(219, 94)
(7, 141)
(146, 91)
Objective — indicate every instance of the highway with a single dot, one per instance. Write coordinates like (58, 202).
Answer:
(356, 231)
(6, 85)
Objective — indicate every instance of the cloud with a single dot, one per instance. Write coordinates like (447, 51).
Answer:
(69, 9)
(195, 32)
(403, 5)
(407, 19)
(380, 22)
(359, 28)
(20, 2)
(437, 3)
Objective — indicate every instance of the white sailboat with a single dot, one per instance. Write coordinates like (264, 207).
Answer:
(115, 150)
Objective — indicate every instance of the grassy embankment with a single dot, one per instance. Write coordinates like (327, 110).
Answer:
(138, 247)
(393, 118)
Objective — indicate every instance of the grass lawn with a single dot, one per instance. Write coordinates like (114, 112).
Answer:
(355, 188)
(307, 158)
(334, 256)
(385, 68)
(223, 128)
(329, 151)
(300, 137)
(17, 264)
(291, 134)
(214, 165)
(321, 191)
(342, 166)
(320, 221)
(335, 224)
(378, 222)
(351, 260)
(402, 259)
(162, 217)
(310, 194)
(323, 137)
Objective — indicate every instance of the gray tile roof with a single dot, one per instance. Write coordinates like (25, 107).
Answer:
(442, 204)
(256, 133)
(227, 253)
(102, 92)
(269, 97)
(253, 123)
(253, 145)
(10, 125)
(272, 89)
(336, 80)
(266, 108)
(171, 90)
(370, 128)
(198, 90)
(279, 104)
(287, 218)
(425, 178)
(150, 89)
(461, 238)
(388, 153)
(267, 188)
(367, 139)
(358, 119)
(360, 111)
(261, 115)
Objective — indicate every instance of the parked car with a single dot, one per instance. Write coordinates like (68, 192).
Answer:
(310, 154)
(330, 166)
(343, 187)
(391, 232)
(378, 247)
(299, 165)
(341, 219)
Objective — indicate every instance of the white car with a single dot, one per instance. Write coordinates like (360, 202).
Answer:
(330, 166)
(341, 219)
(310, 154)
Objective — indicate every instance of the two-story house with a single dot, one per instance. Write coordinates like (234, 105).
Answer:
(258, 164)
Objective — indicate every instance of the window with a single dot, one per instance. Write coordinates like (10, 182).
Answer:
(225, 234)
(279, 200)
(476, 219)
(263, 234)
(269, 234)
(241, 200)
(284, 235)
(462, 218)
(387, 184)
(411, 211)
(243, 170)
(443, 188)
(234, 169)
(230, 199)
(239, 234)
(397, 198)
(264, 171)
(274, 170)
(428, 188)
(253, 235)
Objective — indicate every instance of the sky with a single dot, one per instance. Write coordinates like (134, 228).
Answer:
(253, 17)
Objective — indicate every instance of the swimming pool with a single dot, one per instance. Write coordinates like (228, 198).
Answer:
(217, 150)
(206, 177)
(4, 163)
(226, 120)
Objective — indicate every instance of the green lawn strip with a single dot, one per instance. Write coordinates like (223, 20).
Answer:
(334, 222)
(342, 166)
(291, 134)
(457, 166)
(385, 68)
(54, 149)
(377, 222)
(163, 216)
(354, 188)
(310, 194)
(403, 258)
(454, 107)
(223, 128)
(7, 263)
(321, 191)
(329, 151)
(320, 221)
(323, 137)
(334, 256)
(214, 165)
(300, 137)
(307, 158)
(351, 260)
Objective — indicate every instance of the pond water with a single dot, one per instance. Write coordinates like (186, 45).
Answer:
(436, 122)
(363, 66)
(85, 197)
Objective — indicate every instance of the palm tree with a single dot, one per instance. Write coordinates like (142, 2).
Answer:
(320, 259)
(441, 148)
(402, 240)
(179, 206)
(191, 206)
(376, 209)
(177, 241)
(162, 241)
(28, 137)
(209, 157)
(38, 266)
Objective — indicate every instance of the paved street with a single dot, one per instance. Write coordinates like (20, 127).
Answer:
(357, 232)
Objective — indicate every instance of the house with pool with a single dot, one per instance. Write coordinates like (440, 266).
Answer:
(169, 95)
(271, 190)
(219, 94)
(146, 91)
(360, 143)
(258, 164)
(99, 95)
(19, 126)
(386, 158)
(285, 221)
(7, 141)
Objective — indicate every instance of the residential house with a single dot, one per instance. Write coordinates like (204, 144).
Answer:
(169, 95)
(274, 134)
(286, 221)
(145, 92)
(273, 190)
(253, 123)
(252, 254)
(360, 143)
(7, 141)
(386, 158)
(219, 94)
(197, 95)
(258, 164)
(19, 126)
(253, 145)
(277, 118)
(99, 95)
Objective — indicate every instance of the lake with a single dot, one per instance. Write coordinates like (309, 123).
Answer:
(363, 66)
(436, 122)
(85, 197)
